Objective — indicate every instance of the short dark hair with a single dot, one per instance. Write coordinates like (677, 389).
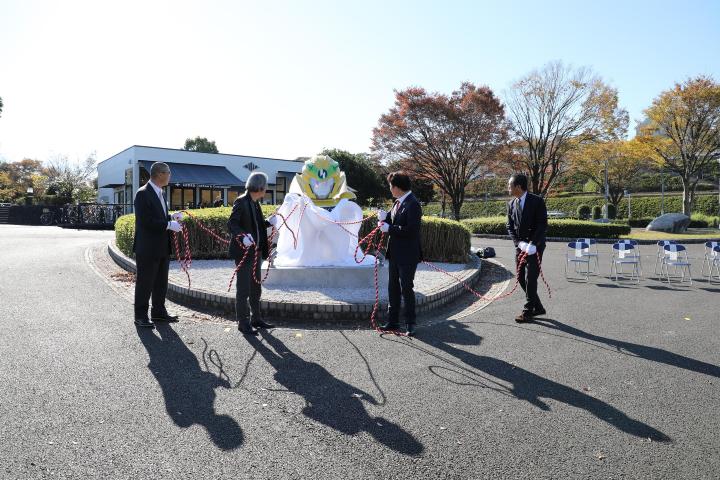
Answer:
(400, 180)
(519, 180)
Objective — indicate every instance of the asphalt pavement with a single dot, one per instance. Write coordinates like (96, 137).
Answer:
(617, 381)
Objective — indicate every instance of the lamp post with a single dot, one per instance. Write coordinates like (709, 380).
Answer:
(627, 194)
(607, 188)
(662, 192)
(28, 198)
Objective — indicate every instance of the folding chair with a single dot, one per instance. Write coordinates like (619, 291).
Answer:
(591, 252)
(576, 254)
(661, 254)
(709, 247)
(624, 254)
(715, 262)
(676, 256)
(637, 253)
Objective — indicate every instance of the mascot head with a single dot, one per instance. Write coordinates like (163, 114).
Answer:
(321, 174)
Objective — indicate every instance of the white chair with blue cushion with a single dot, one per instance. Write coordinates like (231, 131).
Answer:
(707, 260)
(591, 252)
(676, 257)
(637, 253)
(715, 263)
(625, 254)
(661, 254)
(576, 254)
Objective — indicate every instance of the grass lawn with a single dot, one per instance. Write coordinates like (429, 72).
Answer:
(692, 233)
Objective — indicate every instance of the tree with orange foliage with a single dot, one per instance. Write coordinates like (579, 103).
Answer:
(683, 129)
(447, 139)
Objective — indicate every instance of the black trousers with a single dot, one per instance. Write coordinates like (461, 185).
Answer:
(528, 279)
(151, 280)
(401, 279)
(247, 290)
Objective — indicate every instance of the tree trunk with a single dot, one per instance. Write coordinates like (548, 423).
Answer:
(456, 204)
(688, 197)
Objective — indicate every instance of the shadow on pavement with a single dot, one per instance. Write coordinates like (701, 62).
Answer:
(653, 354)
(189, 391)
(330, 401)
(525, 385)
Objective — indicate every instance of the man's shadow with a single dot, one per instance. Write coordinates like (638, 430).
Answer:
(648, 353)
(527, 386)
(189, 391)
(330, 401)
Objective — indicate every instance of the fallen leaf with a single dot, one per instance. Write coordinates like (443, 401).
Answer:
(687, 318)
(298, 335)
(600, 456)
(227, 329)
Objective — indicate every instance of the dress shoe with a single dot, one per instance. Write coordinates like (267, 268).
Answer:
(144, 322)
(165, 318)
(410, 329)
(389, 326)
(261, 324)
(537, 312)
(524, 317)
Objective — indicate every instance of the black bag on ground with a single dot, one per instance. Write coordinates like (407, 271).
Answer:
(487, 252)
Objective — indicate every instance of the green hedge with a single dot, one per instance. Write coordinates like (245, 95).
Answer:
(443, 240)
(641, 206)
(556, 228)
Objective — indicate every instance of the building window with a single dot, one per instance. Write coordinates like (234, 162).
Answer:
(232, 195)
(269, 198)
(280, 189)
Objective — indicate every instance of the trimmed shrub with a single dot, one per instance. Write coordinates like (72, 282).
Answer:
(583, 211)
(698, 220)
(442, 240)
(642, 206)
(556, 228)
(639, 222)
(596, 212)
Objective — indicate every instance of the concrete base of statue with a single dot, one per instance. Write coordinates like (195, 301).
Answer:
(298, 278)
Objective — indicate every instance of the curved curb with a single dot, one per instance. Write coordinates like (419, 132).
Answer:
(327, 311)
(689, 241)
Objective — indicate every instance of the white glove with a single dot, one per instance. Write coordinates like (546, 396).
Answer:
(273, 220)
(381, 214)
(384, 227)
(248, 240)
(177, 216)
(531, 249)
(174, 226)
(523, 246)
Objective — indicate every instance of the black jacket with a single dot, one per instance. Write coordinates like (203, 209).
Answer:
(404, 246)
(241, 221)
(152, 238)
(532, 225)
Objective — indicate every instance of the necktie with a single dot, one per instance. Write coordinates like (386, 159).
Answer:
(394, 210)
(162, 200)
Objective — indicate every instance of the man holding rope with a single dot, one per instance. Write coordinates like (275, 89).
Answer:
(404, 252)
(151, 245)
(526, 225)
(249, 245)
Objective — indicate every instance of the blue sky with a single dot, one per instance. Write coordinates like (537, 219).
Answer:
(289, 78)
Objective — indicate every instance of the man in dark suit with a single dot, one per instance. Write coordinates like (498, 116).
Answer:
(404, 252)
(248, 230)
(151, 245)
(526, 225)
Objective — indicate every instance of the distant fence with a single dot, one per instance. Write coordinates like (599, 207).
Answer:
(83, 215)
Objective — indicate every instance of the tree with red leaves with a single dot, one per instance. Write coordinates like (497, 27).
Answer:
(447, 139)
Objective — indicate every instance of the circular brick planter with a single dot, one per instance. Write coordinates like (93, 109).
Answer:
(311, 309)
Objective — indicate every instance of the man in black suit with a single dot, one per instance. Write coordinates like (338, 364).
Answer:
(404, 252)
(153, 225)
(526, 225)
(248, 230)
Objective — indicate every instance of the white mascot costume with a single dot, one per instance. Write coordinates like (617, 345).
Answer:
(312, 235)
